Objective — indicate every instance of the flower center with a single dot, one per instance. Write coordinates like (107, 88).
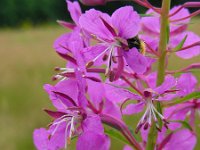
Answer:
(151, 114)
(71, 121)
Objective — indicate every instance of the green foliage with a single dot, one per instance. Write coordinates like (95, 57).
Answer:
(18, 12)
(194, 95)
(116, 135)
(22, 12)
(180, 45)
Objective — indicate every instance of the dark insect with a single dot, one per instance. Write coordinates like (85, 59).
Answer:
(137, 43)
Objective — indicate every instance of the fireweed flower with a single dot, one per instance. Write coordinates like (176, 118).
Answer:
(147, 99)
(112, 35)
(113, 45)
(179, 140)
(75, 12)
(150, 96)
(151, 24)
(76, 116)
(191, 46)
(177, 31)
(187, 83)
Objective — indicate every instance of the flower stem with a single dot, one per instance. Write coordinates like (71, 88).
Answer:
(164, 35)
(120, 126)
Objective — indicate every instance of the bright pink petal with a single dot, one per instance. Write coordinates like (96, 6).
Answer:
(40, 137)
(93, 141)
(126, 21)
(181, 140)
(175, 113)
(93, 123)
(191, 39)
(169, 83)
(67, 87)
(133, 108)
(95, 92)
(127, 147)
(91, 22)
(75, 10)
(117, 94)
(112, 109)
(90, 53)
(186, 84)
(136, 61)
(61, 44)
(179, 26)
(151, 24)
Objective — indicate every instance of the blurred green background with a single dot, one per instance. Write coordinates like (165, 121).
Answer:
(27, 62)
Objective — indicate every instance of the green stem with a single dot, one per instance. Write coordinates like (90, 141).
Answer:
(164, 35)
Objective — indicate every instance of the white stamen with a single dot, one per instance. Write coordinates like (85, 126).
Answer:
(97, 57)
(109, 62)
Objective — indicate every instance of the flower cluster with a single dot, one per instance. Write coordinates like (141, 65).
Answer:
(110, 73)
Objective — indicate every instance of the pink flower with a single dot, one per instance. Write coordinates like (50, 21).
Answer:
(181, 139)
(191, 46)
(75, 12)
(76, 116)
(151, 24)
(113, 35)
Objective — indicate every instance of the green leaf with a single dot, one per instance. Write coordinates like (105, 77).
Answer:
(115, 134)
(168, 32)
(194, 95)
(184, 124)
(159, 108)
(180, 45)
(146, 15)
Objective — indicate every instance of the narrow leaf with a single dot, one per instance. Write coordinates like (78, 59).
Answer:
(180, 45)
(194, 95)
(115, 134)
(168, 32)
(146, 15)
(184, 124)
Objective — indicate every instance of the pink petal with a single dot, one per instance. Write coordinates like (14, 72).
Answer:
(67, 87)
(182, 139)
(127, 147)
(93, 123)
(95, 92)
(92, 52)
(92, 23)
(40, 137)
(133, 108)
(186, 84)
(75, 10)
(136, 61)
(117, 94)
(126, 21)
(169, 82)
(112, 109)
(93, 141)
(190, 52)
(151, 24)
(180, 26)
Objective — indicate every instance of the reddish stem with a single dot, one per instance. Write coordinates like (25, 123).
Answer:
(191, 15)
(119, 125)
(133, 86)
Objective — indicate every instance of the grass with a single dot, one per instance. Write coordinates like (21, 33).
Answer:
(27, 62)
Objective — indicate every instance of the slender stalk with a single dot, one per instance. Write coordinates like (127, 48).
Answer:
(152, 136)
(120, 126)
